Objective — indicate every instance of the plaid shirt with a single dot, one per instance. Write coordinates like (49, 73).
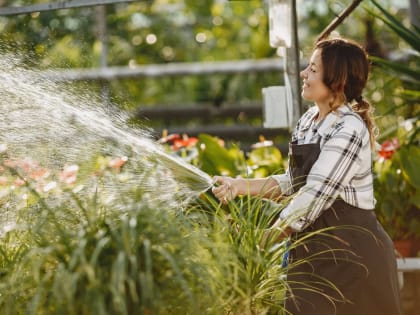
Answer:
(342, 170)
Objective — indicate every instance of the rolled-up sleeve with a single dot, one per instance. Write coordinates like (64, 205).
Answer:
(284, 182)
(337, 164)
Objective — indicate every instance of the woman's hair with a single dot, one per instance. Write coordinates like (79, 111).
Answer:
(345, 72)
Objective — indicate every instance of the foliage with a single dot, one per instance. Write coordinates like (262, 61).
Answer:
(397, 185)
(396, 169)
(211, 155)
(68, 249)
(409, 71)
(257, 277)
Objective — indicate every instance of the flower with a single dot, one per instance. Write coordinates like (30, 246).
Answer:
(388, 148)
(27, 167)
(4, 181)
(118, 162)
(169, 138)
(396, 183)
(177, 142)
(262, 143)
(69, 174)
(184, 142)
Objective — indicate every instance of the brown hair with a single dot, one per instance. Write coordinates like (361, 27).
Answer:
(346, 70)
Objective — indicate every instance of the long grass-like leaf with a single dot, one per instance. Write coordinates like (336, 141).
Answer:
(118, 279)
(179, 277)
(97, 251)
(81, 206)
(399, 68)
(410, 36)
(147, 283)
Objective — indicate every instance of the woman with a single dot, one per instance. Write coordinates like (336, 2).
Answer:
(349, 267)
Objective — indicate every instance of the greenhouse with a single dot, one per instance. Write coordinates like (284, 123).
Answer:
(203, 157)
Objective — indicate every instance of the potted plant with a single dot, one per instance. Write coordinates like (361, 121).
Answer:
(397, 184)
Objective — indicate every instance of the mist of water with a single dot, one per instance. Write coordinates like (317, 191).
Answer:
(56, 125)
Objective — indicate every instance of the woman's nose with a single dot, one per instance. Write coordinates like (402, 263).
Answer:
(302, 74)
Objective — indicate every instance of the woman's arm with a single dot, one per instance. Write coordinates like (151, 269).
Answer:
(227, 188)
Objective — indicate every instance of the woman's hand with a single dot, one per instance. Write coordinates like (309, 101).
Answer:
(226, 188)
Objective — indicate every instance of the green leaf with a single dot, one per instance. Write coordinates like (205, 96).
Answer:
(265, 161)
(410, 36)
(398, 67)
(216, 159)
(410, 161)
(265, 156)
(415, 200)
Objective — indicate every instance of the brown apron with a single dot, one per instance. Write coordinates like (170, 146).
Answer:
(347, 269)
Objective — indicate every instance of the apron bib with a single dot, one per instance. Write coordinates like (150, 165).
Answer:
(348, 266)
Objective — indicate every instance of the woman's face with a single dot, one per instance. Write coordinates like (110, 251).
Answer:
(313, 88)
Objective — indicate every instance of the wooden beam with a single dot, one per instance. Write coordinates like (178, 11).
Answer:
(338, 20)
(168, 69)
(196, 111)
(59, 5)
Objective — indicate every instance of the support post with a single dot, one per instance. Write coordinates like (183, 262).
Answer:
(102, 34)
(292, 65)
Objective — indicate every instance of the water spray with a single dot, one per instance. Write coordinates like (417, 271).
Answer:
(55, 124)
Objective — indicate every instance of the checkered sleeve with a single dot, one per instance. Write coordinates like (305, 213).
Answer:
(337, 164)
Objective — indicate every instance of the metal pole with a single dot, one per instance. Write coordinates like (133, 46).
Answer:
(292, 65)
(102, 33)
(167, 70)
(414, 12)
(66, 4)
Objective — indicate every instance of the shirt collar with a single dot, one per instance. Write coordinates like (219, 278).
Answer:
(333, 118)
(307, 123)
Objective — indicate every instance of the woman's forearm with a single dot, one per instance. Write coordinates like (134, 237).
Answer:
(227, 188)
(263, 187)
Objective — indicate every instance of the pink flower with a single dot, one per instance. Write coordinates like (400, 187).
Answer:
(3, 181)
(27, 167)
(118, 162)
(39, 173)
(19, 182)
(69, 174)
